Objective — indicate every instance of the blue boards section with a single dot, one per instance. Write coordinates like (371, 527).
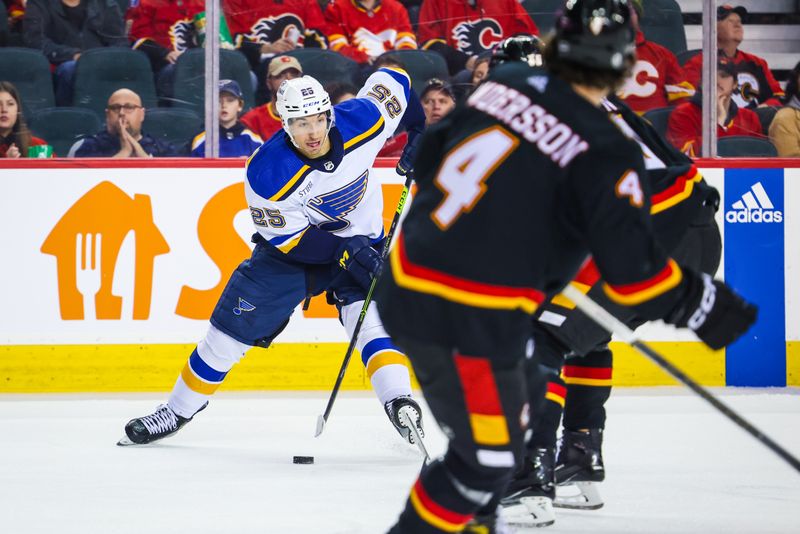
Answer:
(754, 266)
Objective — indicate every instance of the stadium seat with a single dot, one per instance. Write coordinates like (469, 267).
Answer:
(765, 115)
(422, 65)
(327, 66)
(63, 127)
(659, 118)
(3, 24)
(543, 13)
(101, 71)
(686, 55)
(662, 23)
(190, 78)
(173, 125)
(740, 146)
(29, 71)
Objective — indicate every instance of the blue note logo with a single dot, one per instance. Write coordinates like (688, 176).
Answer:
(243, 306)
(335, 205)
(755, 206)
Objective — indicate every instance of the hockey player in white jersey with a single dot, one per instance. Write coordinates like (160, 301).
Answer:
(317, 210)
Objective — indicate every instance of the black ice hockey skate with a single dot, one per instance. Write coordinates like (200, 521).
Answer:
(528, 501)
(406, 416)
(579, 468)
(158, 425)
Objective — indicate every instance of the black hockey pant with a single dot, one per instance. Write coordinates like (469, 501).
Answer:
(479, 401)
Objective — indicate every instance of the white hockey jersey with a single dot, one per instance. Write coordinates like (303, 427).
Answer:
(293, 199)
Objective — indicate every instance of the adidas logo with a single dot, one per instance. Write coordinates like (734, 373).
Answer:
(754, 207)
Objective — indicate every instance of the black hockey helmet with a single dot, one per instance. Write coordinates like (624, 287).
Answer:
(596, 34)
(525, 48)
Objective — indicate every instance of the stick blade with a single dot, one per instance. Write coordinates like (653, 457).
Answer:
(320, 425)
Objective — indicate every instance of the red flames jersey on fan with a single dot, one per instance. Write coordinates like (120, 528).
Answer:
(262, 120)
(657, 80)
(266, 21)
(685, 128)
(472, 30)
(362, 35)
(165, 22)
(757, 85)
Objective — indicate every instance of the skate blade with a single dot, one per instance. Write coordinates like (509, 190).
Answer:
(415, 435)
(126, 442)
(578, 496)
(529, 512)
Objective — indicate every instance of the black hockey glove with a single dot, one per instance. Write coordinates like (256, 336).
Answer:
(406, 162)
(357, 257)
(714, 311)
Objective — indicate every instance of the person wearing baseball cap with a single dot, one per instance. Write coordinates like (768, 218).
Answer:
(685, 126)
(757, 87)
(264, 120)
(235, 140)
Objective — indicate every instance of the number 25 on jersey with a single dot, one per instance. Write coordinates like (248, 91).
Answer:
(465, 169)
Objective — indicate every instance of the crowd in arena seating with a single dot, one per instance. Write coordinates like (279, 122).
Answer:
(445, 45)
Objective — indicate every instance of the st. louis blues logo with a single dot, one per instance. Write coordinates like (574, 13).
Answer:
(335, 205)
(243, 306)
(477, 36)
(271, 29)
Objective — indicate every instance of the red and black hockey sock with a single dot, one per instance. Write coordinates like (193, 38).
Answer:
(588, 380)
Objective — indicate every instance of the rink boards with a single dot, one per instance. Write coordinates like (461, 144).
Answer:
(172, 231)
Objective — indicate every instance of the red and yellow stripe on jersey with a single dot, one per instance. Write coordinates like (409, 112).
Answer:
(486, 417)
(632, 294)
(587, 376)
(461, 290)
(434, 513)
(679, 191)
(556, 393)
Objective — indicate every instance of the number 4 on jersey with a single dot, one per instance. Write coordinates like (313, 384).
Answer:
(629, 186)
(465, 169)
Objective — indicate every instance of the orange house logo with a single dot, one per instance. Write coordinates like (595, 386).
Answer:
(86, 242)
(89, 237)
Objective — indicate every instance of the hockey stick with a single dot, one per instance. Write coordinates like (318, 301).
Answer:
(605, 319)
(322, 419)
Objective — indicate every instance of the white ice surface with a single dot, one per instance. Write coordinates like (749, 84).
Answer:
(674, 466)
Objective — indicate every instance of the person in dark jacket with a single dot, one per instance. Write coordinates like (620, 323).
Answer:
(123, 136)
(64, 29)
(235, 140)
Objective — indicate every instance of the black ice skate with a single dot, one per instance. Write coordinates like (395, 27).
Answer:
(528, 501)
(406, 416)
(158, 425)
(579, 468)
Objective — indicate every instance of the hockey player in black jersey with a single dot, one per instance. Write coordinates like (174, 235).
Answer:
(516, 188)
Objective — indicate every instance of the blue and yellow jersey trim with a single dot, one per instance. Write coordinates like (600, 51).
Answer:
(359, 122)
(274, 171)
(286, 243)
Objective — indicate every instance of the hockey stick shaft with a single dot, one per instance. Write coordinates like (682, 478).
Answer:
(322, 419)
(606, 320)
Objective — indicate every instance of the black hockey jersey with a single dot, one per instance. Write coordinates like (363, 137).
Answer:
(516, 188)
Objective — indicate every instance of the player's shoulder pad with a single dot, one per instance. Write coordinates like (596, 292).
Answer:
(359, 121)
(274, 171)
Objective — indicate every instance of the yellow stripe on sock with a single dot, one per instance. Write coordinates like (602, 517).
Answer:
(382, 359)
(489, 429)
(195, 384)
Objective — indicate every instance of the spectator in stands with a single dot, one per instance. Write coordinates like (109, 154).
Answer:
(364, 29)
(657, 79)
(785, 128)
(756, 84)
(685, 127)
(264, 119)
(461, 30)
(437, 100)
(481, 70)
(163, 29)
(123, 136)
(15, 137)
(63, 29)
(264, 28)
(341, 92)
(235, 140)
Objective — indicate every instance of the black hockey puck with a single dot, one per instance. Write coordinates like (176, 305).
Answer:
(303, 459)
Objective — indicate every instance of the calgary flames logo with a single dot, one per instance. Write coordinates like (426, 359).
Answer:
(181, 35)
(270, 29)
(477, 36)
(749, 94)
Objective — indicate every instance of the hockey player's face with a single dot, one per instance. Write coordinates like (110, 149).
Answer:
(310, 134)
